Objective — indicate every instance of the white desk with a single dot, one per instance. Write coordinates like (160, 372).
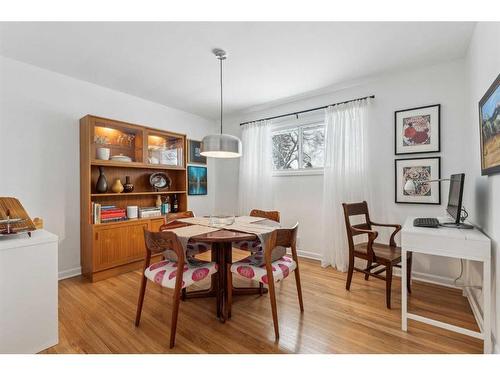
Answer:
(28, 292)
(468, 244)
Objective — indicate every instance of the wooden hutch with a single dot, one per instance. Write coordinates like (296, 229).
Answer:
(108, 249)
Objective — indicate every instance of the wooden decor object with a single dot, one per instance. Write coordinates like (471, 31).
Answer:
(13, 217)
(109, 249)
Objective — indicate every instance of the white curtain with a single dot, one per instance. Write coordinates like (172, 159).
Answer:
(345, 176)
(255, 183)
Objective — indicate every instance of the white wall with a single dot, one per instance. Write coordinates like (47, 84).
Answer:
(300, 198)
(39, 144)
(483, 192)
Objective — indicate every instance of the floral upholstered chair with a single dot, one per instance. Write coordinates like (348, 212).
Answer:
(176, 274)
(261, 267)
(193, 247)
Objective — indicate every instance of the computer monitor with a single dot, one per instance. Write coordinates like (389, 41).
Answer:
(455, 195)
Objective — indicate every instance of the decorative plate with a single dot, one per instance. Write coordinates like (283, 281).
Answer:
(160, 181)
(122, 158)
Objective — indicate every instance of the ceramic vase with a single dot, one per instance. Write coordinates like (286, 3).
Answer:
(102, 183)
(128, 187)
(117, 186)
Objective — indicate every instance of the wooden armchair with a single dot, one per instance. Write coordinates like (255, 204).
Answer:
(261, 267)
(170, 274)
(376, 254)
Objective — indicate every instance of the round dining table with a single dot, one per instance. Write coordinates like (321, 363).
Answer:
(221, 242)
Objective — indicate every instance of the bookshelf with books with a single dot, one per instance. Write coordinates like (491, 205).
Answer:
(112, 242)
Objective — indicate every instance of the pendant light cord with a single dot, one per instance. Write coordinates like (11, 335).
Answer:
(220, 59)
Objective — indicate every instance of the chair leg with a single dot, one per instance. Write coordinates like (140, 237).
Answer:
(368, 265)
(388, 283)
(175, 312)
(184, 294)
(142, 292)
(274, 308)
(299, 288)
(349, 273)
(408, 272)
(229, 292)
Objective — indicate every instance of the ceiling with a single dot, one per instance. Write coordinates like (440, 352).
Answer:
(171, 62)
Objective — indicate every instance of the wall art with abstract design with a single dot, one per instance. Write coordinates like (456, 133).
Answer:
(489, 126)
(197, 180)
(420, 170)
(417, 130)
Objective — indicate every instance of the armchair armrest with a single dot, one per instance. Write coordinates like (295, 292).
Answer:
(372, 235)
(396, 230)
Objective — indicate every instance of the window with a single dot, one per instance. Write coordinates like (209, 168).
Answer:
(299, 148)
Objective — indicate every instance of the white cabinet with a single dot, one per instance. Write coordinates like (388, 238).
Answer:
(28, 292)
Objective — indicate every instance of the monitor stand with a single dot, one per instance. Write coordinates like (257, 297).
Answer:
(457, 226)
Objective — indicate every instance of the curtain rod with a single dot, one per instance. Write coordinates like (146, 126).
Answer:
(306, 110)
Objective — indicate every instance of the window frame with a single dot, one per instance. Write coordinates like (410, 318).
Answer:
(298, 124)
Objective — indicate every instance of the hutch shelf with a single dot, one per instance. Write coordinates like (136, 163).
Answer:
(108, 249)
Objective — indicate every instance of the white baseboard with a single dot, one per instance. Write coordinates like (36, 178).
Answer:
(308, 254)
(474, 305)
(478, 315)
(430, 278)
(72, 272)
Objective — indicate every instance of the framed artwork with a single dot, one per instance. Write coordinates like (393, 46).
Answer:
(419, 170)
(194, 156)
(197, 180)
(417, 130)
(489, 127)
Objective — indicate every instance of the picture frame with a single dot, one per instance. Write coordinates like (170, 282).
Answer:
(489, 129)
(197, 180)
(417, 130)
(418, 169)
(194, 156)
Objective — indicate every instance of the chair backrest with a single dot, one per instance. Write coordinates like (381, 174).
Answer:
(286, 237)
(159, 242)
(271, 215)
(355, 209)
(179, 215)
(172, 222)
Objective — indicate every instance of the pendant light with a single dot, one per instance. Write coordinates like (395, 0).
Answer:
(220, 145)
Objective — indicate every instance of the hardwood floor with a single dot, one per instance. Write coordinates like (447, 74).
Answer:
(99, 318)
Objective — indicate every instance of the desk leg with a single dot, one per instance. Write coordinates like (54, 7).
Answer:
(404, 270)
(487, 306)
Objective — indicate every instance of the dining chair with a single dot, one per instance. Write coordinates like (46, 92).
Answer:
(376, 254)
(271, 215)
(171, 274)
(172, 216)
(261, 267)
(255, 245)
(172, 221)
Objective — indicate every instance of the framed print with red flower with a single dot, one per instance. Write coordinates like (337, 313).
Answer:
(417, 130)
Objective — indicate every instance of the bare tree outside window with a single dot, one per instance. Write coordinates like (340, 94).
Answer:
(313, 147)
(286, 150)
(299, 148)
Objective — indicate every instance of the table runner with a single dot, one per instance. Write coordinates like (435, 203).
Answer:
(261, 227)
(203, 220)
(185, 233)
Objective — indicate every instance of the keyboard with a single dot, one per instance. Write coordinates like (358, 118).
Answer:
(428, 222)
